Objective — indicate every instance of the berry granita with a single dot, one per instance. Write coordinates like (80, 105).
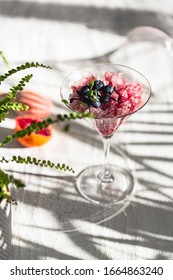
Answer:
(108, 96)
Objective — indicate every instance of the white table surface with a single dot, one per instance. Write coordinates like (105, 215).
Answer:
(51, 220)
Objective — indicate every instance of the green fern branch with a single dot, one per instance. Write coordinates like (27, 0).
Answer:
(14, 90)
(37, 162)
(4, 59)
(22, 67)
(6, 103)
(15, 106)
(3, 115)
(5, 180)
(36, 127)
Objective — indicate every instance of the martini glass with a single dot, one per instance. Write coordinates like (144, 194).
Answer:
(106, 184)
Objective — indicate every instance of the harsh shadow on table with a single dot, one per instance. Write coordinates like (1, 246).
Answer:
(116, 20)
(145, 224)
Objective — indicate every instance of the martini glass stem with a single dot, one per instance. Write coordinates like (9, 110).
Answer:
(107, 176)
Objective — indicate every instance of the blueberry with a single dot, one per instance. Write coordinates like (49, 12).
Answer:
(84, 90)
(108, 89)
(95, 103)
(98, 84)
(105, 98)
(86, 99)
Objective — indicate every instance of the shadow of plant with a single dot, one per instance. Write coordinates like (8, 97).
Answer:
(147, 224)
(145, 230)
(118, 20)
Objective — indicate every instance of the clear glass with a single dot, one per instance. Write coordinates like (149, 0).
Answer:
(150, 34)
(106, 184)
(150, 51)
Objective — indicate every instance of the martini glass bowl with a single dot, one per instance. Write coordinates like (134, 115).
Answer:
(106, 184)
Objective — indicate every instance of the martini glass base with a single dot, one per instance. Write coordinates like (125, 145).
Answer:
(93, 188)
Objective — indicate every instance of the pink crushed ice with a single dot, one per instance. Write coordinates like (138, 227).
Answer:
(124, 100)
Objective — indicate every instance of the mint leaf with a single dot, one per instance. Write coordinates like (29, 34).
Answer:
(91, 84)
(89, 93)
(64, 101)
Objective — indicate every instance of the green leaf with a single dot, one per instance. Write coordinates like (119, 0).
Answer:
(42, 163)
(66, 127)
(4, 59)
(94, 98)
(4, 179)
(35, 127)
(64, 101)
(4, 182)
(22, 67)
(14, 90)
(18, 183)
(15, 106)
(91, 84)
(89, 93)
(3, 115)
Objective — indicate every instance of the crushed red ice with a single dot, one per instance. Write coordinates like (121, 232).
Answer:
(125, 100)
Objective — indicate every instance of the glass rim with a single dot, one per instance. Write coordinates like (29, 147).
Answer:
(111, 65)
(149, 27)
